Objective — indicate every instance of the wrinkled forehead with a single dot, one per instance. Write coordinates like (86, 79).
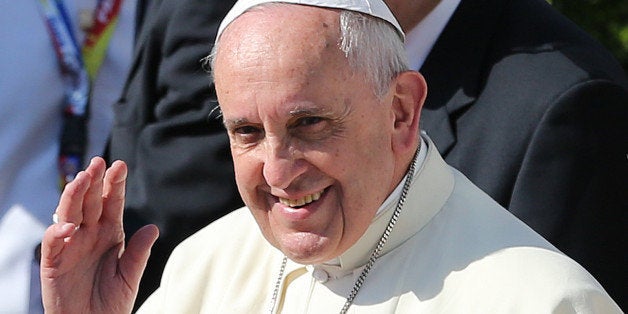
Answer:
(280, 36)
(293, 56)
(276, 33)
(265, 65)
(375, 8)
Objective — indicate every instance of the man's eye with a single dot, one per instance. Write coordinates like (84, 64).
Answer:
(243, 130)
(307, 121)
(312, 128)
(247, 134)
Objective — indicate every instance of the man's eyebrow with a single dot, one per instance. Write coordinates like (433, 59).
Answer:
(307, 111)
(296, 112)
(234, 123)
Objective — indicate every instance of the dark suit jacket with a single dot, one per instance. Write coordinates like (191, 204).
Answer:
(180, 169)
(535, 113)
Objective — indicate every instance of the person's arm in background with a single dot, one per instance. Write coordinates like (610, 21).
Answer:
(578, 160)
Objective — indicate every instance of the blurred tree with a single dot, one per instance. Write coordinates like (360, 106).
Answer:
(605, 20)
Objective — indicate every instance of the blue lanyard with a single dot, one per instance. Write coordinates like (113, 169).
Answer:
(69, 56)
(76, 75)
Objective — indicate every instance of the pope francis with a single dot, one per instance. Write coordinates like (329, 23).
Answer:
(349, 207)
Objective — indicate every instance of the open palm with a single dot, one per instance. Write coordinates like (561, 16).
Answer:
(85, 267)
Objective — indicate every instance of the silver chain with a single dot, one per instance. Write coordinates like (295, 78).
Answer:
(273, 301)
(374, 255)
(382, 241)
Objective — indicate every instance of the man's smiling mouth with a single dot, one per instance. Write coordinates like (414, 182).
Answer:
(301, 201)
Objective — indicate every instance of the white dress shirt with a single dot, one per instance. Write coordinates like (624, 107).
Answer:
(421, 38)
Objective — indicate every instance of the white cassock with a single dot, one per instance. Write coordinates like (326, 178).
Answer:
(453, 250)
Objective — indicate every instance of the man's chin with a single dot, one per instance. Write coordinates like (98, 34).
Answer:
(307, 248)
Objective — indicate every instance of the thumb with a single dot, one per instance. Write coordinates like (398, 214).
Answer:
(133, 260)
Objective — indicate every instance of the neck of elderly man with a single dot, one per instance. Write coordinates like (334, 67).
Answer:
(304, 122)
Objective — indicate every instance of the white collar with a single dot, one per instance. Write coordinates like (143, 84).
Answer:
(391, 200)
(421, 39)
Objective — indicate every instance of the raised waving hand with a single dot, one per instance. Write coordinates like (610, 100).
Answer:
(85, 267)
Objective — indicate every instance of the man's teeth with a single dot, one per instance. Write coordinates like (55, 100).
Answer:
(301, 201)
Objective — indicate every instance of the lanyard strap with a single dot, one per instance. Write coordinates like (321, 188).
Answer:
(79, 67)
(99, 35)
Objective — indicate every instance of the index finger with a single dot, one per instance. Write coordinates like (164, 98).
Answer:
(70, 208)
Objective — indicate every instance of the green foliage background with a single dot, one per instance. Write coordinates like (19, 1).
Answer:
(605, 20)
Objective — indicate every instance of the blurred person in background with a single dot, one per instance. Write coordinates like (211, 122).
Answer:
(51, 83)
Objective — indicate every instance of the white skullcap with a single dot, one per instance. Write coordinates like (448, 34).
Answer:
(376, 8)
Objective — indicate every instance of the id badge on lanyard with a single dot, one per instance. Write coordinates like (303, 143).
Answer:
(79, 66)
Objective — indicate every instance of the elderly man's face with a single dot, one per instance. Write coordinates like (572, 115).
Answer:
(311, 143)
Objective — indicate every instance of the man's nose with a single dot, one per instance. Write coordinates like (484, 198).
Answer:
(282, 165)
